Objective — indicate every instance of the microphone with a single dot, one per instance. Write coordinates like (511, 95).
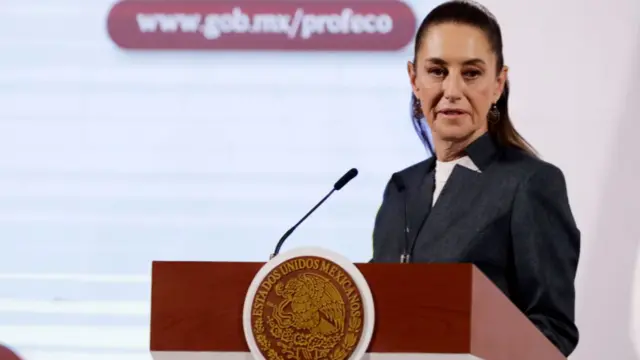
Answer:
(400, 186)
(344, 180)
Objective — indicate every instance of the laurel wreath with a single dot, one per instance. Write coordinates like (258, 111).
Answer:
(350, 339)
(340, 353)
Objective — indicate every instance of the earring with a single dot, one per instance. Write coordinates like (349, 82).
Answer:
(494, 114)
(417, 109)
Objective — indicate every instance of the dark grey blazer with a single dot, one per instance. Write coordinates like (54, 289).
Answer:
(512, 220)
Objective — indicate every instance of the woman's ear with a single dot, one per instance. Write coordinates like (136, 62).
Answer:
(501, 82)
(411, 71)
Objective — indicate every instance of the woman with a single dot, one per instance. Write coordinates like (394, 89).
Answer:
(485, 198)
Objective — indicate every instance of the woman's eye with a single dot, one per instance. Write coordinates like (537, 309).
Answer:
(437, 72)
(471, 74)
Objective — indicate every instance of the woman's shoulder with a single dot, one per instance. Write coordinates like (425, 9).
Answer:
(526, 166)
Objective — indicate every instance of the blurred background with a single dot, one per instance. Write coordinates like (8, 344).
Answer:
(112, 156)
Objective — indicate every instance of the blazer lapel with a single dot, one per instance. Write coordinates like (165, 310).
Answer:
(456, 199)
(419, 204)
(462, 188)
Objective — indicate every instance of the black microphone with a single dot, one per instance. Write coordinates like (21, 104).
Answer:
(348, 176)
(399, 183)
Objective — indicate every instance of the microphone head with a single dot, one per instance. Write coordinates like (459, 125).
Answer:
(398, 182)
(345, 179)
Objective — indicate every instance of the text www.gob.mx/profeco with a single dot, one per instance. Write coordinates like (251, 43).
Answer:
(299, 24)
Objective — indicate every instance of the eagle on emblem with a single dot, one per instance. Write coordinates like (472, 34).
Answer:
(312, 303)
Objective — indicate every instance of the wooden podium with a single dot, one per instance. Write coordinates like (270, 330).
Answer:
(422, 311)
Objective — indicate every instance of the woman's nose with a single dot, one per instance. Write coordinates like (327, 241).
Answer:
(452, 87)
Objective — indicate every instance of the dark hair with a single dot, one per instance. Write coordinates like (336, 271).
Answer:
(469, 13)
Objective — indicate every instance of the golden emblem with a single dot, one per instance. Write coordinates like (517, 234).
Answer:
(307, 308)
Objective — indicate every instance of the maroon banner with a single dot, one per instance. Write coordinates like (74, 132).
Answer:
(303, 25)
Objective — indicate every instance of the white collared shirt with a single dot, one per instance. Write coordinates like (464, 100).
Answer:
(444, 170)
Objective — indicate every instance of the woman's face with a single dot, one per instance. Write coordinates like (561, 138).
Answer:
(455, 80)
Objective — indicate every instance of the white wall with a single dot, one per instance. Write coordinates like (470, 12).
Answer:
(575, 90)
(109, 160)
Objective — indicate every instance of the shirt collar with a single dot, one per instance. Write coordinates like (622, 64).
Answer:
(482, 151)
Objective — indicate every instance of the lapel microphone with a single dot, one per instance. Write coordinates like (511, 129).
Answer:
(397, 180)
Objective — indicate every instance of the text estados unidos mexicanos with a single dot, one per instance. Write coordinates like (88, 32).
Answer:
(213, 26)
